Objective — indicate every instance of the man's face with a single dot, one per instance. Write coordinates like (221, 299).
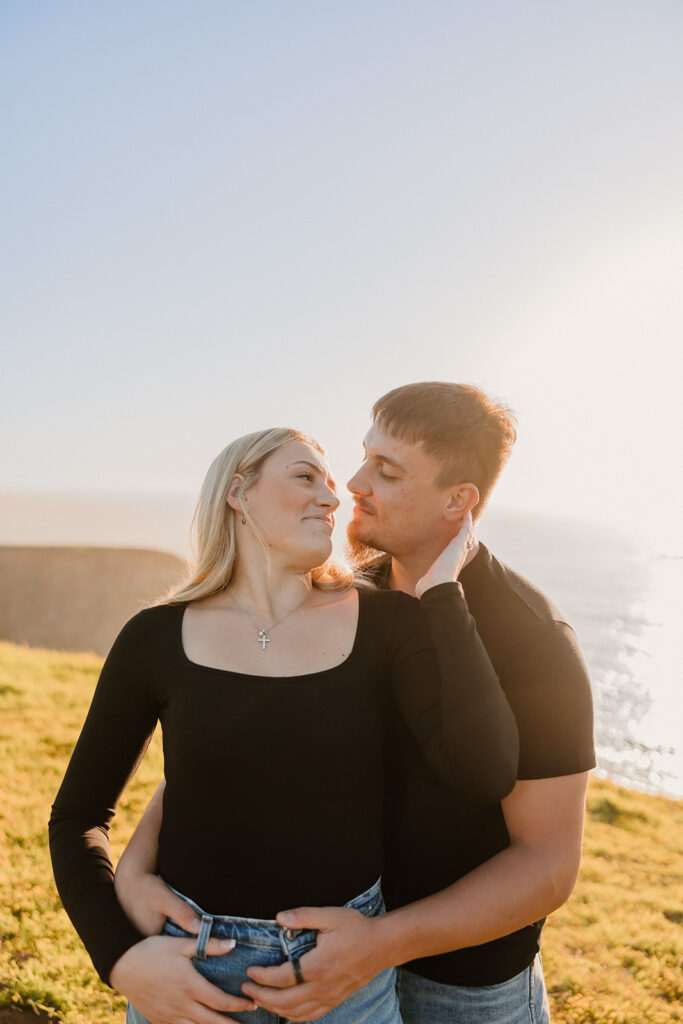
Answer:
(398, 507)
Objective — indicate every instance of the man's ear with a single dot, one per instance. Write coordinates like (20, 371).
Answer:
(235, 497)
(462, 499)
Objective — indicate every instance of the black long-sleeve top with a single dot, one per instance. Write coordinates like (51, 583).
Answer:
(273, 784)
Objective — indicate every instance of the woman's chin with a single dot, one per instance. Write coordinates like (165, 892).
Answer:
(312, 558)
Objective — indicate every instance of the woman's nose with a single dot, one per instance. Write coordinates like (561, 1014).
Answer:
(330, 499)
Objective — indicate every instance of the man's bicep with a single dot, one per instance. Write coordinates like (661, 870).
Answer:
(548, 815)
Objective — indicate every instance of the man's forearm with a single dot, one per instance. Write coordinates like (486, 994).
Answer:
(512, 889)
(526, 881)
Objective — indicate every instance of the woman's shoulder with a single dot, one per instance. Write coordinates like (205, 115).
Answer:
(386, 603)
(148, 623)
(388, 618)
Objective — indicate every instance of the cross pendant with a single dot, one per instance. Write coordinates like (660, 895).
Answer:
(263, 639)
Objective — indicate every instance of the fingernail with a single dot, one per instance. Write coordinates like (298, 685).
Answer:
(227, 944)
(196, 923)
(286, 918)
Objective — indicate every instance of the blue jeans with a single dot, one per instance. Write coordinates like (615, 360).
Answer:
(267, 944)
(521, 1000)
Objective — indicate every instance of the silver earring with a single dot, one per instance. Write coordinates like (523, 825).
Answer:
(244, 522)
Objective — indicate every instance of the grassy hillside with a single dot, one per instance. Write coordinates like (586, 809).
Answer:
(613, 955)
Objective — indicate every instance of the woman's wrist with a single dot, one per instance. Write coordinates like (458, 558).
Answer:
(119, 970)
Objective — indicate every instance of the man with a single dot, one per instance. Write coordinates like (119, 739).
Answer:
(485, 877)
(467, 886)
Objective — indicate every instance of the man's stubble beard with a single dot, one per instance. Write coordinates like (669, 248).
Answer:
(359, 552)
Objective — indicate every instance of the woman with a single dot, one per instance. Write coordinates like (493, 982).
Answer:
(272, 678)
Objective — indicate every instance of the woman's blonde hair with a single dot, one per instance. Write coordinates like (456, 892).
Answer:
(214, 534)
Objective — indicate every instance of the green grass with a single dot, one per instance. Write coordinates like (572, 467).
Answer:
(612, 955)
(44, 696)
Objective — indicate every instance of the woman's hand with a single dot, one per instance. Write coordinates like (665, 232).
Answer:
(446, 568)
(158, 978)
(148, 901)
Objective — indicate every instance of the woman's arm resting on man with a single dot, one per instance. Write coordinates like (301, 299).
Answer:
(532, 877)
(458, 713)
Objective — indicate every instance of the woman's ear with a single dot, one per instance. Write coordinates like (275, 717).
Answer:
(462, 499)
(235, 497)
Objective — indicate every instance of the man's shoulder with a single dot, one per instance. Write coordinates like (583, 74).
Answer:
(530, 595)
(518, 594)
(539, 663)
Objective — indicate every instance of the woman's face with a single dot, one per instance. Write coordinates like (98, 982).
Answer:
(293, 502)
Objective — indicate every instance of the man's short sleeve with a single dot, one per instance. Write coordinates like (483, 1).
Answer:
(553, 705)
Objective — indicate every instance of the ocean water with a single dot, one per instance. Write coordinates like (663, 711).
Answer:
(622, 598)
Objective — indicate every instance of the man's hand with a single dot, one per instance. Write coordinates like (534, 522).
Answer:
(447, 566)
(157, 976)
(344, 959)
(148, 901)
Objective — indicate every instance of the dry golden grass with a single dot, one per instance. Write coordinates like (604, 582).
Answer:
(613, 954)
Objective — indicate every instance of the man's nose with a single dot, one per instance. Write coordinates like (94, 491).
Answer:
(358, 484)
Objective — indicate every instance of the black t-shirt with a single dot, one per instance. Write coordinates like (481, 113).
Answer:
(432, 838)
(274, 785)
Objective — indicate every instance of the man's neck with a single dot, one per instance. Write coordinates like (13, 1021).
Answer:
(405, 575)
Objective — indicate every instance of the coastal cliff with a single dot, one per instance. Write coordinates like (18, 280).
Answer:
(77, 598)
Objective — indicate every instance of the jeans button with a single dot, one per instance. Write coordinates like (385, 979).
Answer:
(291, 933)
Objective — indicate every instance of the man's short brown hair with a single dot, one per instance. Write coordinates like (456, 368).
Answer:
(464, 430)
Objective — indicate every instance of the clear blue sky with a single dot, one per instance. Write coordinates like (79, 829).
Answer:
(224, 215)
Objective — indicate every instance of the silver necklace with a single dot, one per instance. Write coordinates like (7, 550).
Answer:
(263, 637)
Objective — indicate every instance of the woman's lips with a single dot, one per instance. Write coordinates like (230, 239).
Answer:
(328, 520)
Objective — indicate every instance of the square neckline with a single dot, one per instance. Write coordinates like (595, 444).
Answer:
(360, 624)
